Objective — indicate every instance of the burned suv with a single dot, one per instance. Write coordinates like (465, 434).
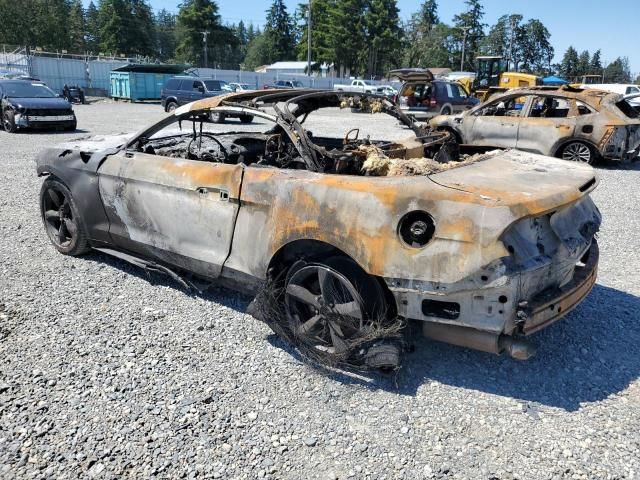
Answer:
(344, 236)
(569, 123)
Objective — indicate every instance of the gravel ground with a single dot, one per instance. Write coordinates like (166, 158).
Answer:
(108, 373)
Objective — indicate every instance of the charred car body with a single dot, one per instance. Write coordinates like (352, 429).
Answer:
(29, 104)
(481, 252)
(574, 124)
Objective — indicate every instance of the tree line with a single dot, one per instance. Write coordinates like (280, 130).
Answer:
(358, 37)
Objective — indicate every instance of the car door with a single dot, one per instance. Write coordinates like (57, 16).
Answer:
(547, 120)
(495, 125)
(181, 212)
(184, 92)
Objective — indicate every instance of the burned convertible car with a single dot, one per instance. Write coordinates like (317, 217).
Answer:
(346, 235)
(582, 125)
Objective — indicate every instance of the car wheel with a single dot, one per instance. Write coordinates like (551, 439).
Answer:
(71, 128)
(9, 122)
(445, 111)
(61, 219)
(171, 106)
(246, 118)
(332, 308)
(578, 152)
(216, 117)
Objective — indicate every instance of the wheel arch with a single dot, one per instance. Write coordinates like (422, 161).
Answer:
(315, 250)
(170, 100)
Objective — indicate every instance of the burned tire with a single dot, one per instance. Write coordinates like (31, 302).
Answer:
(62, 222)
(9, 122)
(335, 312)
(578, 152)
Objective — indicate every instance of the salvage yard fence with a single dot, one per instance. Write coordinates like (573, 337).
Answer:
(92, 73)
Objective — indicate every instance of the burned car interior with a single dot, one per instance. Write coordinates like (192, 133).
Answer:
(187, 135)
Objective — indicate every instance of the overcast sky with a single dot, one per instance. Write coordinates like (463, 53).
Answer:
(610, 26)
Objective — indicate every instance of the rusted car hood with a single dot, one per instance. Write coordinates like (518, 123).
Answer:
(526, 182)
(96, 143)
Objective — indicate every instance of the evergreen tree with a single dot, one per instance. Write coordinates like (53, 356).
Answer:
(195, 17)
(76, 27)
(383, 36)
(595, 67)
(279, 33)
(322, 38)
(347, 36)
(535, 48)
(418, 33)
(584, 63)
(92, 28)
(569, 64)
(472, 20)
(257, 53)
(165, 27)
(618, 71)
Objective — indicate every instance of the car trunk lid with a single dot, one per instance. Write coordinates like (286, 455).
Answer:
(528, 183)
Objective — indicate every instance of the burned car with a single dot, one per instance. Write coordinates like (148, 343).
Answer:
(343, 237)
(581, 125)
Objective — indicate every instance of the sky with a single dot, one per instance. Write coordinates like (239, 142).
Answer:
(587, 25)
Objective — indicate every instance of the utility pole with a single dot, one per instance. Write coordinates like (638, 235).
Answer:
(205, 34)
(309, 39)
(513, 27)
(464, 44)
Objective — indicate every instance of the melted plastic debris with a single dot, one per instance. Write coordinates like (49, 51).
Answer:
(377, 164)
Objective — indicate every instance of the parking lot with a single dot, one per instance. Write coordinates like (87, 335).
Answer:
(109, 372)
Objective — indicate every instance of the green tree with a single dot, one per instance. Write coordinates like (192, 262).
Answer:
(92, 28)
(76, 27)
(535, 48)
(347, 36)
(595, 67)
(504, 39)
(257, 53)
(618, 71)
(165, 27)
(126, 26)
(418, 33)
(279, 33)
(383, 36)
(195, 17)
(323, 29)
(470, 19)
(584, 63)
(569, 64)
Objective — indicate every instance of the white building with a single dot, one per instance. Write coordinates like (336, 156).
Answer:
(293, 68)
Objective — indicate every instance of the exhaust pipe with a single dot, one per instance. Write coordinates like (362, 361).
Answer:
(478, 340)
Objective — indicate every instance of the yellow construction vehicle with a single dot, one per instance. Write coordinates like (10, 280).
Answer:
(491, 76)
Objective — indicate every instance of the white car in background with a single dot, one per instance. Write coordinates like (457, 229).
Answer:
(240, 87)
(621, 88)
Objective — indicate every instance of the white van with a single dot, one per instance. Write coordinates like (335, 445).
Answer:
(621, 88)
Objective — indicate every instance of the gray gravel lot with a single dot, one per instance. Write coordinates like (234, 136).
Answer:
(107, 373)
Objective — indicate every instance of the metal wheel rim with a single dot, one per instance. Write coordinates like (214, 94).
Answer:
(171, 107)
(5, 123)
(214, 117)
(577, 152)
(324, 308)
(58, 218)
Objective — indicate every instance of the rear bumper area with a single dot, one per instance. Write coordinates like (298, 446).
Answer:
(548, 307)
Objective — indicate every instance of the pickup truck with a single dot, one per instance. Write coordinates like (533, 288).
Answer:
(357, 86)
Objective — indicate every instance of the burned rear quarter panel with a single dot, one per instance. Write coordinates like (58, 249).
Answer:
(360, 215)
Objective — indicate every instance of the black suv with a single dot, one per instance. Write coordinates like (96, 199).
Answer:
(179, 91)
(29, 104)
